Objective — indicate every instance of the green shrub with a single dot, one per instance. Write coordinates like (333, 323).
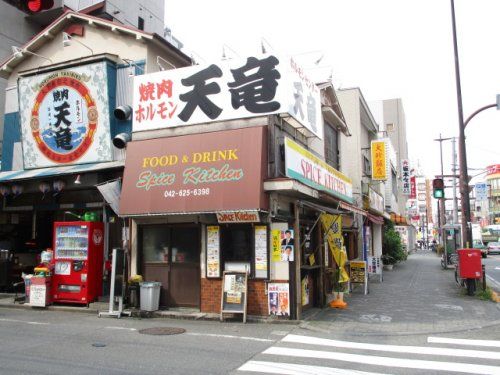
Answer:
(392, 248)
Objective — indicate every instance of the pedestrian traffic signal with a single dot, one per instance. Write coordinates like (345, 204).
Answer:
(438, 188)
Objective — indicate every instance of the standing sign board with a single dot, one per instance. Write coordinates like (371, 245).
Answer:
(234, 294)
(358, 274)
(375, 267)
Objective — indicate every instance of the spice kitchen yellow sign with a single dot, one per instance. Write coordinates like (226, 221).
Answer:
(379, 160)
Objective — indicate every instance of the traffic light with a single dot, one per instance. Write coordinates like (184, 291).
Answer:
(36, 6)
(438, 188)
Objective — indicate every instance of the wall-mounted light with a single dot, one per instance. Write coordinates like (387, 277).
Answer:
(44, 188)
(4, 190)
(224, 55)
(58, 186)
(78, 180)
(68, 39)
(18, 53)
(132, 66)
(17, 190)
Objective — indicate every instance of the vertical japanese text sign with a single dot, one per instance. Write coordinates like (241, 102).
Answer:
(405, 176)
(230, 89)
(379, 160)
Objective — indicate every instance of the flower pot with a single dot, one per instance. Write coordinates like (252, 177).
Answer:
(388, 267)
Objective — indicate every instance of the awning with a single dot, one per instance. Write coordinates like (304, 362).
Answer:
(350, 207)
(375, 219)
(321, 208)
(57, 171)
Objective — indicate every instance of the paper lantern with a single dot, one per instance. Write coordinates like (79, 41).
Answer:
(4, 190)
(17, 190)
(44, 187)
(58, 186)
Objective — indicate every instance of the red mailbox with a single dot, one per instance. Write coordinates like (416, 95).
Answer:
(469, 262)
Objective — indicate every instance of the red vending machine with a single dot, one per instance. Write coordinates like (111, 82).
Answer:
(78, 261)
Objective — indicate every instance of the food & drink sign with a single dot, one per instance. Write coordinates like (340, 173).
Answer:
(210, 172)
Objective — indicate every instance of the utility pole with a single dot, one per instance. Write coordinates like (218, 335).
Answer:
(454, 170)
(464, 178)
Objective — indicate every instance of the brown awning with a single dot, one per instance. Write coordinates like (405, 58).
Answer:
(350, 207)
(375, 219)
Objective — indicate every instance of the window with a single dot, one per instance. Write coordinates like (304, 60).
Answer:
(140, 23)
(394, 183)
(367, 169)
(332, 146)
(237, 242)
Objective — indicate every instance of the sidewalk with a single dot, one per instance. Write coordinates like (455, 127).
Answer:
(417, 297)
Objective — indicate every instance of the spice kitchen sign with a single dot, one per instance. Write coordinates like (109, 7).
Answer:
(210, 172)
(65, 117)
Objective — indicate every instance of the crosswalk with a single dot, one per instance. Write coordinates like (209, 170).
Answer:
(297, 354)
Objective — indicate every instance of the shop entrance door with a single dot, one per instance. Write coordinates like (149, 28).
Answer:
(171, 255)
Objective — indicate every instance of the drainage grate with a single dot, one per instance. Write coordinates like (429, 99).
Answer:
(159, 331)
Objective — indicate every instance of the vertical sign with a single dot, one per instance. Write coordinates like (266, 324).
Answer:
(405, 176)
(413, 187)
(213, 251)
(260, 251)
(379, 160)
(481, 191)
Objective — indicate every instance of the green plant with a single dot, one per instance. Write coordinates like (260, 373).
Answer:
(485, 294)
(392, 248)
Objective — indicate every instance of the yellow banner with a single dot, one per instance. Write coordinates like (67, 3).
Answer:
(379, 163)
(276, 245)
(332, 225)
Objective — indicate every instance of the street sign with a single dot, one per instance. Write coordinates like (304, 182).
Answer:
(481, 191)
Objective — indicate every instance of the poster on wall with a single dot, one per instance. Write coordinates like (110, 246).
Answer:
(213, 251)
(276, 245)
(260, 251)
(287, 245)
(65, 117)
(278, 297)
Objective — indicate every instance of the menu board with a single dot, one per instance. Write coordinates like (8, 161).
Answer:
(234, 294)
(358, 271)
(213, 251)
(38, 295)
(260, 251)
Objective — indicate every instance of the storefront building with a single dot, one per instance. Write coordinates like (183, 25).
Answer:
(235, 180)
(59, 156)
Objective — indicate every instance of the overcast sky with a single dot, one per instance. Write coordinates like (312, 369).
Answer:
(388, 48)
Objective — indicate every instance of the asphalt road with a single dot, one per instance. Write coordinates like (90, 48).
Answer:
(492, 263)
(50, 342)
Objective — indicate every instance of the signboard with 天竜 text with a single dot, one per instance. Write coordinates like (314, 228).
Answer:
(230, 89)
(65, 117)
(212, 172)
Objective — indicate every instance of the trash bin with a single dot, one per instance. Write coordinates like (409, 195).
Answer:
(150, 295)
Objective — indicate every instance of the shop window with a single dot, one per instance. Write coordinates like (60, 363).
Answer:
(237, 243)
(155, 240)
(185, 245)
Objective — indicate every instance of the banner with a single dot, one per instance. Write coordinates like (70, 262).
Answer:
(332, 226)
(276, 245)
(413, 187)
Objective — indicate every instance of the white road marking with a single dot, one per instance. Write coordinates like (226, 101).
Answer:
(497, 284)
(385, 361)
(229, 336)
(392, 348)
(449, 307)
(23, 321)
(445, 340)
(294, 369)
(123, 328)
